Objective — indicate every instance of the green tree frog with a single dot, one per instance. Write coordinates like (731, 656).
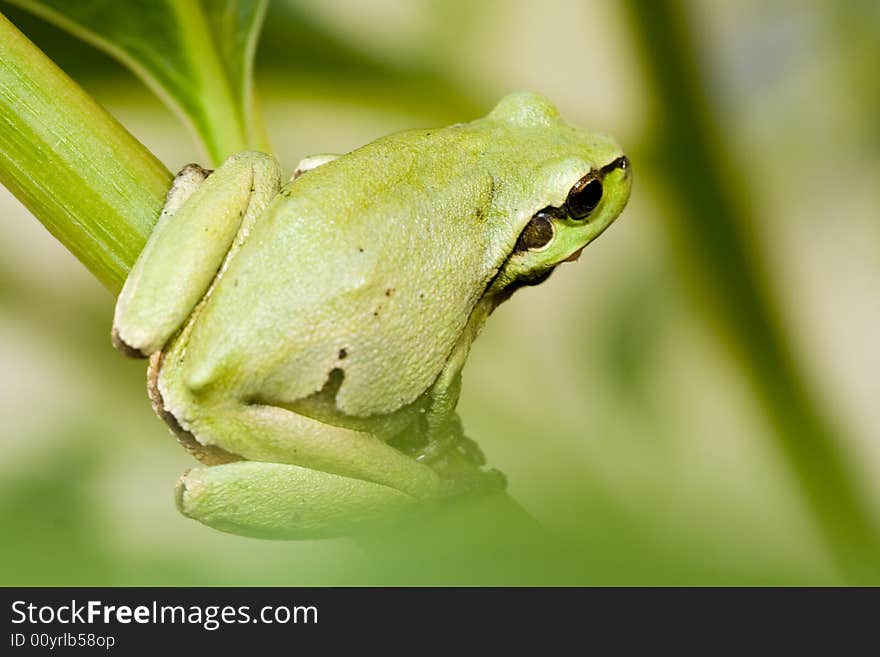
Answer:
(306, 340)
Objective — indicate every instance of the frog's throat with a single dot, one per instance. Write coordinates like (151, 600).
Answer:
(207, 454)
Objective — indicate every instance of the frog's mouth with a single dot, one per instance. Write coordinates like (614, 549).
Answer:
(574, 256)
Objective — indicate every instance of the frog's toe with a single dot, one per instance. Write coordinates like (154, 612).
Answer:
(462, 478)
(450, 439)
(471, 451)
(282, 501)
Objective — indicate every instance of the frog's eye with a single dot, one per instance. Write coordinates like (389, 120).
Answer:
(584, 197)
(538, 232)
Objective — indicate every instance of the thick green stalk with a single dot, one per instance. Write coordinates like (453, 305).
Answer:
(710, 221)
(96, 188)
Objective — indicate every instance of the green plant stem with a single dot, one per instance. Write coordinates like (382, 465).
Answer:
(95, 187)
(709, 221)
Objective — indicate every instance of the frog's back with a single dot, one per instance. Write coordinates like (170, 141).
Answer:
(370, 264)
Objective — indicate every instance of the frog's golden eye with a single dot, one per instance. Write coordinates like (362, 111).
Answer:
(539, 231)
(584, 197)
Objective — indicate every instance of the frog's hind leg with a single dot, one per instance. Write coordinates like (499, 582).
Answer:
(301, 478)
(284, 501)
(207, 454)
(292, 465)
(203, 221)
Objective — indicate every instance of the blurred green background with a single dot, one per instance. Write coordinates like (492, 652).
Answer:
(696, 401)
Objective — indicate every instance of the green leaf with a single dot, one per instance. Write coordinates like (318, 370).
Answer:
(197, 55)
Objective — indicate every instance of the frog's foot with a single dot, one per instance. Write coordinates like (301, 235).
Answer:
(285, 501)
(459, 460)
(451, 439)
(461, 478)
(185, 183)
(297, 478)
(203, 223)
(471, 450)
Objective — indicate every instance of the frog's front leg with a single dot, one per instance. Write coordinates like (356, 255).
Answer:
(448, 450)
(301, 478)
(443, 426)
(201, 225)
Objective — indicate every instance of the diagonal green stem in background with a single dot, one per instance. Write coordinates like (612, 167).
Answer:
(709, 222)
(93, 186)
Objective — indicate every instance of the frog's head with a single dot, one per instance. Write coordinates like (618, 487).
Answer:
(570, 185)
